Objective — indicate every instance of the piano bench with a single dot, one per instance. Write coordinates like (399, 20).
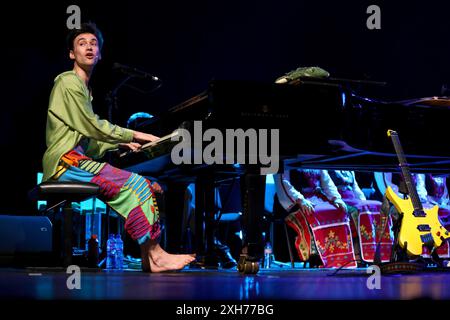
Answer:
(61, 195)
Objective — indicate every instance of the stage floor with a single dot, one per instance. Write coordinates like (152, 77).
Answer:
(277, 284)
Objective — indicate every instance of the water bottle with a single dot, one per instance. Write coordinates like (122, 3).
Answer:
(110, 252)
(119, 252)
(267, 255)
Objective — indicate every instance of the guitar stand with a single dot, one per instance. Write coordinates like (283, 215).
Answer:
(401, 266)
(399, 262)
(441, 264)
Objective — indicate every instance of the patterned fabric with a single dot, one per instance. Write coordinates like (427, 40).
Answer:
(371, 233)
(329, 228)
(367, 223)
(91, 166)
(298, 222)
(129, 194)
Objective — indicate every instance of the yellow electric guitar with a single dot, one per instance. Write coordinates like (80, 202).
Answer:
(419, 226)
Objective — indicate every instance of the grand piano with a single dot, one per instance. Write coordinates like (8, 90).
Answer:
(323, 124)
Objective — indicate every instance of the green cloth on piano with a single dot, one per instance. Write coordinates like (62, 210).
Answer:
(70, 119)
(305, 72)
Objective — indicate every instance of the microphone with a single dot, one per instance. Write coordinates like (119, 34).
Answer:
(131, 71)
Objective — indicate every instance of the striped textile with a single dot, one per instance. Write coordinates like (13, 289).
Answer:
(129, 194)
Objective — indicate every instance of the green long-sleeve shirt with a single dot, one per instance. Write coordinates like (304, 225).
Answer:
(70, 118)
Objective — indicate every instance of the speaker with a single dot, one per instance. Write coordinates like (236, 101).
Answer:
(25, 240)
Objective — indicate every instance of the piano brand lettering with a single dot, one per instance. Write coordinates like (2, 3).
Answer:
(193, 151)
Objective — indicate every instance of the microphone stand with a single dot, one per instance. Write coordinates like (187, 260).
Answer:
(111, 100)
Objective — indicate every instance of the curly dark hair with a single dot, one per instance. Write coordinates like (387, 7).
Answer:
(87, 27)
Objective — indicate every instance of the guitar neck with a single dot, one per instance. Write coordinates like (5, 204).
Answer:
(406, 173)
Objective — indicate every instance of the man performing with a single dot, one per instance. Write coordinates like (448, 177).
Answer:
(75, 136)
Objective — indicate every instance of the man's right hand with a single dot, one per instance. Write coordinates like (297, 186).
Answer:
(132, 146)
(306, 206)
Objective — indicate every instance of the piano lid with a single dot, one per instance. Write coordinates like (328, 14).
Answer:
(323, 125)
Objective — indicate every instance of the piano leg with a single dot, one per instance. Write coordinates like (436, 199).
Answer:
(204, 221)
(174, 203)
(253, 190)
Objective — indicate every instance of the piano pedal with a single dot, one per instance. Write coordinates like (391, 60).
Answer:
(205, 262)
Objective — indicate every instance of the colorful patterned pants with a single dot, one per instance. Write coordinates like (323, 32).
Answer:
(129, 194)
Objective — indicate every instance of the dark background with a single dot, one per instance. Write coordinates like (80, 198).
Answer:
(188, 43)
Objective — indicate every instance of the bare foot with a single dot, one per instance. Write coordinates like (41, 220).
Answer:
(155, 259)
